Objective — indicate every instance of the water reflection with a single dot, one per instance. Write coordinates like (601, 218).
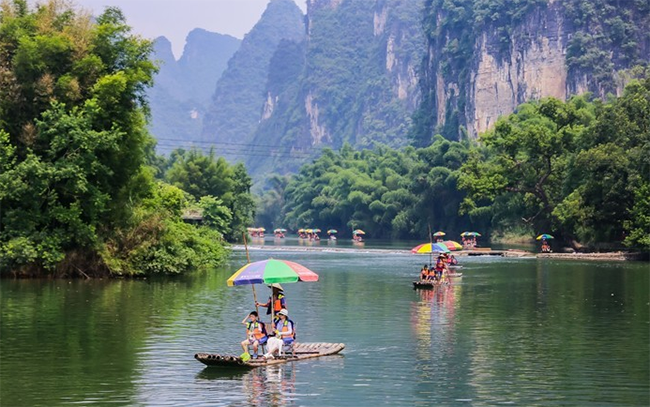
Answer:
(513, 331)
(262, 387)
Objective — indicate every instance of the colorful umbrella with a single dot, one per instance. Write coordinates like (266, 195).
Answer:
(473, 234)
(277, 230)
(271, 271)
(451, 245)
(301, 230)
(316, 230)
(358, 232)
(309, 231)
(465, 234)
(261, 229)
(544, 236)
(438, 234)
(430, 248)
(332, 231)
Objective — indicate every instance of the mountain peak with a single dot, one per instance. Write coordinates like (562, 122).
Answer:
(162, 48)
(236, 106)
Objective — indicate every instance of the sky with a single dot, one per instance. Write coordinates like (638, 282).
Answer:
(174, 19)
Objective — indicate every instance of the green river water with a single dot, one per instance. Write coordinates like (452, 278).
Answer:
(522, 332)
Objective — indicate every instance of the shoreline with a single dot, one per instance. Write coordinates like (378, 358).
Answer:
(511, 253)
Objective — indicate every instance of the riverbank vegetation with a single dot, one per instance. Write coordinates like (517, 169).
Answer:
(577, 169)
(81, 192)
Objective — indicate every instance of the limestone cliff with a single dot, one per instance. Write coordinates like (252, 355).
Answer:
(485, 58)
(241, 93)
(358, 81)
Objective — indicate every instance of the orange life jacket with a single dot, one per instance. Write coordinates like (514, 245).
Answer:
(285, 329)
(277, 304)
(258, 330)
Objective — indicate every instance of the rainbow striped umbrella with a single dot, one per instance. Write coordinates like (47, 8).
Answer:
(451, 245)
(544, 236)
(271, 271)
(439, 234)
(430, 248)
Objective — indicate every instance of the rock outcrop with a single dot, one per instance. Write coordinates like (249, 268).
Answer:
(241, 95)
(484, 59)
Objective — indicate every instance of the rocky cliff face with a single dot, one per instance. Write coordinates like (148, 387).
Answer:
(380, 45)
(484, 59)
(358, 81)
(534, 67)
(238, 103)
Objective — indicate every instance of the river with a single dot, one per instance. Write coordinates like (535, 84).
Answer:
(513, 331)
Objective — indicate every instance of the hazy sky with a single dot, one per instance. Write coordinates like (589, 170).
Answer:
(176, 18)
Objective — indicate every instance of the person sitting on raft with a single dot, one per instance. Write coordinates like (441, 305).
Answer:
(255, 332)
(452, 260)
(277, 300)
(283, 334)
(424, 273)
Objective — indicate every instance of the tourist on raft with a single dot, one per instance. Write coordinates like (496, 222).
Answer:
(276, 300)
(452, 260)
(441, 267)
(255, 333)
(283, 334)
(424, 273)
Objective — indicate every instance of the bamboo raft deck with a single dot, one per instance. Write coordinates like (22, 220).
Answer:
(302, 351)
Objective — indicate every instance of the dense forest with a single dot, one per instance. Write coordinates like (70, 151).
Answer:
(81, 191)
(577, 169)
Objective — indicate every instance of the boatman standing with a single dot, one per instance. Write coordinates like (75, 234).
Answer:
(276, 300)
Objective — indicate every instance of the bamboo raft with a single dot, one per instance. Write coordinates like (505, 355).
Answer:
(428, 285)
(301, 351)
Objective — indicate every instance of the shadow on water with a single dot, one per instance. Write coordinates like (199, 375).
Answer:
(221, 373)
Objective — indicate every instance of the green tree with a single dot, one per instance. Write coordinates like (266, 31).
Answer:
(526, 155)
(205, 175)
(202, 174)
(76, 195)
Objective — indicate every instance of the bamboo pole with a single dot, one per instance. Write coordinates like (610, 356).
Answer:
(431, 246)
(248, 258)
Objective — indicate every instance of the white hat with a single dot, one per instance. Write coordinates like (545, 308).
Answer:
(283, 312)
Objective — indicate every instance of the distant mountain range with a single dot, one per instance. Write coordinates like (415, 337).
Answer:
(393, 72)
(183, 89)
